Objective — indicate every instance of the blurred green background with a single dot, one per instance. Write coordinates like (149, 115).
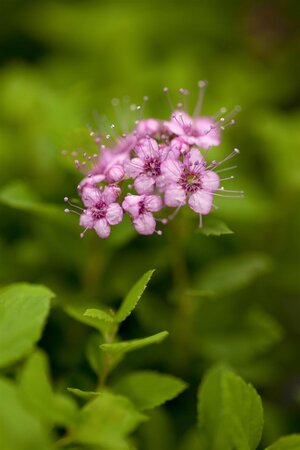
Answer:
(61, 63)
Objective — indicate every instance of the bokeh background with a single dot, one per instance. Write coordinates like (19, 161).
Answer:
(234, 298)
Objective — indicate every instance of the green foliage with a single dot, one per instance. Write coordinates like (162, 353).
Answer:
(214, 227)
(19, 430)
(107, 421)
(134, 344)
(23, 311)
(233, 273)
(230, 412)
(133, 297)
(37, 394)
(286, 443)
(149, 389)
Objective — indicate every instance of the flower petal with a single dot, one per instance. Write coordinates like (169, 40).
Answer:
(134, 167)
(147, 148)
(102, 228)
(194, 157)
(144, 184)
(147, 126)
(114, 214)
(175, 195)
(210, 180)
(171, 170)
(90, 196)
(145, 223)
(110, 194)
(86, 219)
(201, 202)
(131, 204)
(153, 203)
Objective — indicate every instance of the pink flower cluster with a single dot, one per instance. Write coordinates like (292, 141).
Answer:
(163, 165)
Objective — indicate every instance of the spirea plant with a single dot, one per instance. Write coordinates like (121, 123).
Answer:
(157, 167)
(148, 173)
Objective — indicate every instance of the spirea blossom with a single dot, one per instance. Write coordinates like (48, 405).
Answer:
(158, 166)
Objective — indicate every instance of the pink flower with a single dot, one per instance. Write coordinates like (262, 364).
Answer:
(200, 131)
(146, 167)
(191, 179)
(101, 210)
(147, 127)
(140, 208)
(111, 160)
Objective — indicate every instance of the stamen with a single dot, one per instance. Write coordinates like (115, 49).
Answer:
(202, 86)
(166, 91)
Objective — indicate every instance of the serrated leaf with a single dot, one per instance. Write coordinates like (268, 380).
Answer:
(78, 313)
(133, 297)
(23, 311)
(106, 421)
(134, 344)
(214, 227)
(99, 314)
(233, 273)
(83, 394)
(230, 411)
(37, 394)
(291, 442)
(19, 430)
(147, 389)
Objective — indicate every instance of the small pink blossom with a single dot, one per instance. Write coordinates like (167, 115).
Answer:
(200, 131)
(190, 179)
(146, 167)
(140, 208)
(101, 210)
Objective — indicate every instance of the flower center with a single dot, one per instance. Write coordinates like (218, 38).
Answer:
(142, 208)
(99, 210)
(190, 181)
(152, 166)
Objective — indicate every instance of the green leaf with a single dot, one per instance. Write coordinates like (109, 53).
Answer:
(106, 421)
(149, 389)
(254, 334)
(133, 297)
(78, 313)
(291, 442)
(134, 344)
(99, 314)
(19, 196)
(230, 411)
(19, 430)
(23, 311)
(37, 394)
(233, 273)
(214, 227)
(83, 394)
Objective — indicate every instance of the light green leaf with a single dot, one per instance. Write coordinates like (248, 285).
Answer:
(99, 314)
(83, 394)
(19, 430)
(133, 297)
(23, 311)
(37, 394)
(149, 389)
(134, 344)
(230, 411)
(233, 273)
(291, 442)
(78, 313)
(106, 421)
(214, 227)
